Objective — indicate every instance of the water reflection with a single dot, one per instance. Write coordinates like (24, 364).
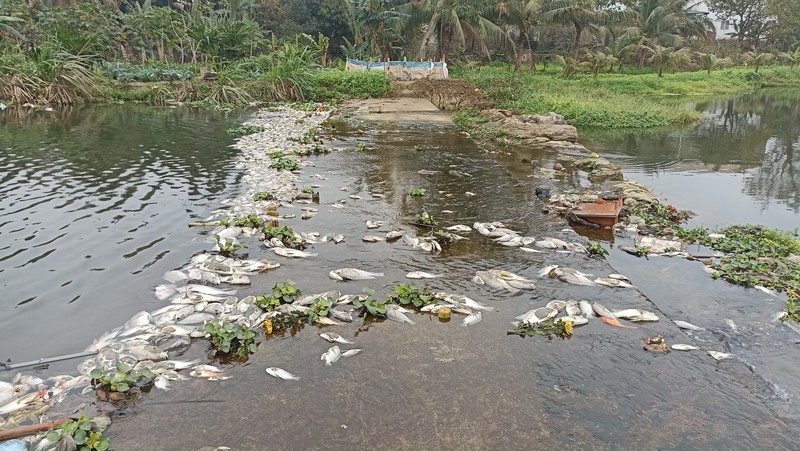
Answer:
(747, 147)
(95, 206)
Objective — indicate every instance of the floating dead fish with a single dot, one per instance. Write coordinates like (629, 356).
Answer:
(399, 316)
(766, 290)
(355, 197)
(351, 352)
(353, 274)
(293, 253)
(422, 275)
(732, 325)
(281, 374)
(164, 292)
(527, 249)
(683, 347)
(338, 238)
(687, 326)
(331, 356)
(573, 309)
(498, 278)
(374, 224)
(308, 215)
(209, 372)
(601, 311)
(619, 277)
(162, 383)
(327, 321)
(576, 320)
(571, 275)
(341, 316)
(557, 305)
(537, 315)
(614, 322)
(175, 276)
(459, 228)
(613, 283)
(426, 172)
(471, 319)
(371, 239)
(333, 337)
(547, 270)
(720, 355)
(211, 291)
(394, 234)
(635, 315)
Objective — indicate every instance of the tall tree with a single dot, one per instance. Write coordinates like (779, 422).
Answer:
(747, 17)
(786, 32)
(520, 23)
(581, 14)
(665, 22)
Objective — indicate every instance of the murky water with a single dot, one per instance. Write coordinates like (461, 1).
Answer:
(94, 206)
(740, 165)
(431, 385)
(440, 385)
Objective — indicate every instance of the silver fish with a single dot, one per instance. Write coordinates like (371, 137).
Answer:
(547, 270)
(576, 320)
(331, 355)
(333, 337)
(613, 283)
(619, 277)
(371, 239)
(687, 326)
(683, 347)
(471, 319)
(164, 292)
(197, 318)
(422, 275)
(351, 352)
(293, 253)
(720, 355)
(459, 228)
(602, 311)
(282, 374)
(573, 309)
(338, 238)
(473, 304)
(398, 315)
(341, 316)
(162, 383)
(557, 305)
(203, 289)
(374, 224)
(394, 234)
(635, 315)
(571, 275)
(732, 325)
(175, 276)
(354, 274)
(537, 315)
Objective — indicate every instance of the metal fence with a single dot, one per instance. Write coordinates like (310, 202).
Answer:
(403, 70)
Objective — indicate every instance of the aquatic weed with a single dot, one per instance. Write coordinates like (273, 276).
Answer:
(227, 246)
(369, 304)
(263, 195)
(82, 434)
(284, 292)
(426, 219)
(120, 379)
(227, 337)
(252, 221)
(595, 249)
(285, 164)
(408, 293)
(245, 129)
(285, 234)
(418, 192)
(548, 328)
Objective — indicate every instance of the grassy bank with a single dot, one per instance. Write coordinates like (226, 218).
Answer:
(617, 100)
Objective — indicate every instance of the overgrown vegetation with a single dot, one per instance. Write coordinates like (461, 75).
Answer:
(548, 328)
(82, 434)
(121, 379)
(284, 292)
(409, 294)
(245, 129)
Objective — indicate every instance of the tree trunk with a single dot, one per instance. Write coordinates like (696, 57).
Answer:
(577, 43)
(431, 29)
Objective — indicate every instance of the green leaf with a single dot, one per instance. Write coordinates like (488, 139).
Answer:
(53, 436)
(80, 437)
(96, 373)
(86, 425)
(102, 445)
(122, 387)
(124, 368)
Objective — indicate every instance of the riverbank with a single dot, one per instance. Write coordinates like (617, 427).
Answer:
(617, 100)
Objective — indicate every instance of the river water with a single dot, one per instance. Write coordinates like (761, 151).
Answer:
(431, 385)
(94, 206)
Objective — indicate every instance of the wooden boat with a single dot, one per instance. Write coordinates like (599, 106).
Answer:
(605, 213)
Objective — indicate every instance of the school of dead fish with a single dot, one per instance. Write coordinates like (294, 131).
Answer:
(156, 339)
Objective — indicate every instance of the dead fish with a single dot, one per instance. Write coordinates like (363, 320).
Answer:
(459, 228)
(471, 319)
(374, 224)
(327, 321)
(537, 315)
(619, 277)
(732, 325)
(211, 291)
(473, 304)
(586, 308)
(395, 314)
(175, 276)
(613, 322)
(687, 326)
(371, 239)
(557, 305)
(766, 290)
(341, 316)
(293, 253)
(571, 275)
(338, 238)
(422, 275)
(331, 356)
(162, 383)
(547, 270)
(355, 197)
(576, 320)
(164, 292)
(427, 172)
(635, 315)
(394, 234)
(353, 274)
(209, 372)
(351, 352)
(613, 283)
(683, 347)
(601, 311)
(333, 337)
(281, 374)
(573, 309)
(720, 355)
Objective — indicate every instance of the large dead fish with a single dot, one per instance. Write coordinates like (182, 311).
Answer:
(571, 275)
(293, 253)
(282, 374)
(635, 315)
(537, 315)
(331, 356)
(613, 283)
(353, 274)
(422, 275)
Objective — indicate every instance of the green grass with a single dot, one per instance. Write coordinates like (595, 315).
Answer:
(617, 100)
(334, 84)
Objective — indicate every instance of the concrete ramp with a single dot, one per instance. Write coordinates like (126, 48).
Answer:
(396, 110)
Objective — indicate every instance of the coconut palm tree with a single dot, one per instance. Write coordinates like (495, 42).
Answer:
(6, 27)
(792, 57)
(581, 14)
(374, 22)
(757, 58)
(665, 22)
(667, 58)
(519, 21)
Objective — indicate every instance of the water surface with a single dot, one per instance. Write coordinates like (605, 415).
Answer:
(94, 204)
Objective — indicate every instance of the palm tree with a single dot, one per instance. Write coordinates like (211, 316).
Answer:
(792, 57)
(597, 61)
(667, 58)
(371, 21)
(519, 19)
(709, 61)
(758, 58)
(7, 29)
(581, 14)
(665, 22)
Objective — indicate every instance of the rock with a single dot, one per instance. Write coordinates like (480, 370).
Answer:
(558, 167)
(543, 190)
(635, 192)
(604, 174)
(550, 118)
(636, 220)
(519, 129)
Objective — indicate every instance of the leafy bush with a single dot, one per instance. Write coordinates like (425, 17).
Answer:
(282, 293)
(333, 84)
(127, 73)
(121, 379)
(285, 164)
(245, 129)
(252, 221)
(409, 294)
(83, 434)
